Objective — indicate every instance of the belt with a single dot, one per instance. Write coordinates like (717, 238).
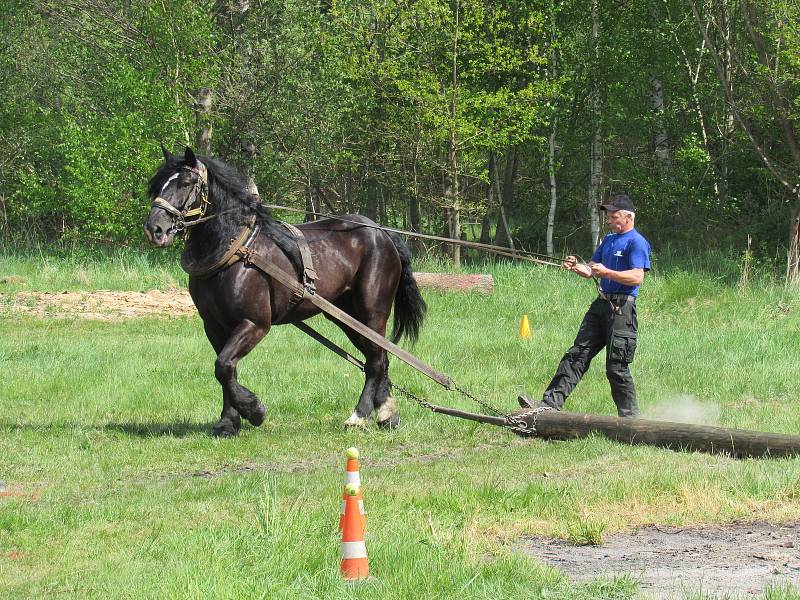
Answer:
(617, 297)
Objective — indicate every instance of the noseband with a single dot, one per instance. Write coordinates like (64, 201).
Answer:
(198, 195)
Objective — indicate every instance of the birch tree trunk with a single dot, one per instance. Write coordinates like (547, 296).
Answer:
(486, 221)
(452, 200)
(551, 170)
(596, 169)
(452, 191)
(551, 156)
(202, 110)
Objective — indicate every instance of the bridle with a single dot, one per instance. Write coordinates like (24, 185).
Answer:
(196, 202)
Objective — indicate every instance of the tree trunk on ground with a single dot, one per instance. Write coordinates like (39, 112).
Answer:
(446, 282)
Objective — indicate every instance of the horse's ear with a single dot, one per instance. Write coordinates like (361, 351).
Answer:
(166, 153)
(189, 158)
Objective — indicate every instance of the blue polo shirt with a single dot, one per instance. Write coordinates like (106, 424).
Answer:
(621, 252)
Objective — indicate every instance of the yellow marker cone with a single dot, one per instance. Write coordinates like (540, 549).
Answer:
(525, 328)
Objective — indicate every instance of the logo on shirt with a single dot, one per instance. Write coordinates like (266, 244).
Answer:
(618, 253)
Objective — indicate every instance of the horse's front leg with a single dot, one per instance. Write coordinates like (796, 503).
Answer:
(229, 421)
(241, 341)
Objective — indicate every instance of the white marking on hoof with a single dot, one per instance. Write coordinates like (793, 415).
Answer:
(386, 411)
(355, 421)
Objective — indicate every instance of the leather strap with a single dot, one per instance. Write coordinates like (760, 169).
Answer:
(309, 274)
(278, 274)
(231, 256)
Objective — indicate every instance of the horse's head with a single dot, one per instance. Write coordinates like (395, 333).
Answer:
(179, 191)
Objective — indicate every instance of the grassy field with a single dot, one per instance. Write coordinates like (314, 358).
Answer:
(119, 491)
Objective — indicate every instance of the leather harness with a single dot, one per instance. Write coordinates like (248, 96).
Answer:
(240, 249)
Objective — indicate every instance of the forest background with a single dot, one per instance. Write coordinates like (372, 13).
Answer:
(502, 121)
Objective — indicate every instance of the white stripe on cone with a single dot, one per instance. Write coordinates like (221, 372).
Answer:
(360, 506)
(352, 477)
(354, 550)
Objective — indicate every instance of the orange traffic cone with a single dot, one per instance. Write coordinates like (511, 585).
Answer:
(354, 565)
(352, 476)
(525, 328)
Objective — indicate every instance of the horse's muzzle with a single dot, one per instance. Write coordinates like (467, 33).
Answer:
(157, 234)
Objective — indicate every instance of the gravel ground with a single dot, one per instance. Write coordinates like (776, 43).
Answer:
(736, 560)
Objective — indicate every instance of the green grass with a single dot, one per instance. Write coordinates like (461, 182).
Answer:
(122, 492)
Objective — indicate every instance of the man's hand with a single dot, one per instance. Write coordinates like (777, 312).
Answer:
(600, 270)
(571, 264)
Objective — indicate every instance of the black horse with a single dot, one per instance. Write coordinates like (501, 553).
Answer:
(361, 269)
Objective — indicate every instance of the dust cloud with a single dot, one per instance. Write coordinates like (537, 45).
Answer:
(684, 408)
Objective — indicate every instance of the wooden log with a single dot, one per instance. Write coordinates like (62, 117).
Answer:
(483, 284)
(560, 425)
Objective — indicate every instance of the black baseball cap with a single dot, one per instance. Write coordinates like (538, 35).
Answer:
(621, 202)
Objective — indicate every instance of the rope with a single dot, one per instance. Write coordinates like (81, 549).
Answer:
(535, 257)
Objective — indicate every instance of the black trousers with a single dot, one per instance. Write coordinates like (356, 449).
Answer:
(609, 324)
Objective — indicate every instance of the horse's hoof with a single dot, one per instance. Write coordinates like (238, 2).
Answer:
(392, 422)
(356, 422)
(256, 416)
(386, 415)
(224, 430)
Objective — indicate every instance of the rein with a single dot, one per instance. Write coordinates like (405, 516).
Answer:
(534, 257)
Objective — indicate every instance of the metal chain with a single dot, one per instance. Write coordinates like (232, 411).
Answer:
(477, 400)
(519, 424)
(411, 396)
(425, 404)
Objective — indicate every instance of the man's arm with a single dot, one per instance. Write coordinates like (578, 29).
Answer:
(629, 277)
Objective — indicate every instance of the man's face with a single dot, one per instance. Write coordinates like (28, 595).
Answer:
(618, 221)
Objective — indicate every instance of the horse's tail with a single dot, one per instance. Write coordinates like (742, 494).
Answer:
(409, 306)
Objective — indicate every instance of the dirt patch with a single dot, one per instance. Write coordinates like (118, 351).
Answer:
(105, 305)
(102, 305)
(740, 559)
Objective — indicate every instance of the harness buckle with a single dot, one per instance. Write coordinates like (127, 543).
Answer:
(246, 255)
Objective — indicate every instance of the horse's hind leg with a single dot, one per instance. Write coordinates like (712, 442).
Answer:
(240, 342)
(376, 381)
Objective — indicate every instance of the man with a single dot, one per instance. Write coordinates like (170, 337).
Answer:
(620, 262)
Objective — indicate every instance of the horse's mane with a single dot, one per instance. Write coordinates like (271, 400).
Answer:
(236, 202)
